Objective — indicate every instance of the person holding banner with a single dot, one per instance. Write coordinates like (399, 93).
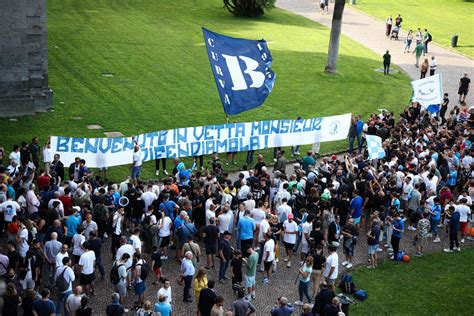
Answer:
(136, 163)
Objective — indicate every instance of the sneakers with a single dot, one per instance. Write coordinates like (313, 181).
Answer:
(447, 250)
(164, 257)
(458, 249)
(288, 265)
(277, 260)
(299, 303)
(126, 310)
(261, 268)
(370, 267)
(253, 296)
(286, 259)
(165, 172)
(470, 238)
(248, 297)
(411, 228)
(386, 245)
(265, 280)
(297, 153)
(437, 240)
(417, 254)
(379, 249)
(392, 257)
(106, 236)
(274, 159)
(462, 240)
(157, 172)
(344, 263)
(349, 265)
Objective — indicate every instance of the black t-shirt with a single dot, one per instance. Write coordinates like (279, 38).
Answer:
(465, 82)
(236, 266)
(351, 230)
(317, 236)
(14, 258)
(274, 228)
(258, 167)
(375, 232)
(224, 245)
(318, 261)
(211, 232)
(114, 310)
(94, 245)
(156, 257)
(86, 311)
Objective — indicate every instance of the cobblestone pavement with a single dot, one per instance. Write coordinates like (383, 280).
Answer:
(370, 32)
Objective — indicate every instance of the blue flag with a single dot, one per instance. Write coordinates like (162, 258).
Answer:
(241, 69)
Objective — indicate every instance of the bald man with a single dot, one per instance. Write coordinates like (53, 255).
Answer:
(51, 249)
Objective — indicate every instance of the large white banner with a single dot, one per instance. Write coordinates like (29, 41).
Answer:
(428, 91)
(202, 140)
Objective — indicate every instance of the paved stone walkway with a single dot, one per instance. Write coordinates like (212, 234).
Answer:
(370, 32)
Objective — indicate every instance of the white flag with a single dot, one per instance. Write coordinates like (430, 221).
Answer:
(428, 91)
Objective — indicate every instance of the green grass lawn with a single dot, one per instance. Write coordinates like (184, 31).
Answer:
(437, 284)
(442, 18)
(162, 78)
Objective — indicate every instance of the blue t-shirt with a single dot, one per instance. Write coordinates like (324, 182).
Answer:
(71, 223)
(436, 209)
(452, 178)
(163, 308)
(356, 206)
(396, 203)
(246, 226)
(168, 208)
(398, 224)
(44, 308)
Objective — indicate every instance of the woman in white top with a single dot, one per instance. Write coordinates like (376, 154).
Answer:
(77, 241)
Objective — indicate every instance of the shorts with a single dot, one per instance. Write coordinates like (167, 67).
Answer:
(356, 220)
(157, 271)
(164, 241)
(121, 288)
(289, 245)
(372, 249)
(249, 281)
(348, 248)
(463, 227)
(463, 91)
(136, 172)
(86, 279)
(304, 247)
(267, 265)
(421, 241)
(139, 288)
(211, 249)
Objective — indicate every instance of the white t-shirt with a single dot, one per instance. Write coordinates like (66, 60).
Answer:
(290, 228)
(331, 261)
(47, 155)
(73, 303)
(68, 276)
(166, 293)
(87, 262)
(117, 223)
(136, 242)
(269, 247)
(127, 248)
(464, 211)
(224, 222)
(148, 197)
(15, 156)
(152, 218)
(165, 231)
(282, 211)
(306, 228)
(23, 246)
(137, 158)
(77, 242)
(264, 226)
(11, 211)
(59, 259)
(257, 215)
(209, 214)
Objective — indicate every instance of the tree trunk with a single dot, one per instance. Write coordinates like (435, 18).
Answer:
(333, 50)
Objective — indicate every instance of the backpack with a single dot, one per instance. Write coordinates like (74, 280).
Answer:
(114, 273)
(430, 38)
(61, 283)
(360, 295)
(347, 284)
(145, 270)
(298, 202)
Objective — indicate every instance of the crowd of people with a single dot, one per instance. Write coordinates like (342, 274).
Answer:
(58, 222)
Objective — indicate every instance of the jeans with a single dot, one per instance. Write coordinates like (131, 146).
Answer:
(62, 302)
(260, 252)
(434, 227)
(395, 241)
(188, 280)
(360, 141)
(115, 244)
(295, 149)
(303, 290)
(453, 239)
(249, 156)
(98, 262)
(48, 272)
(222, 269)
(351, 144)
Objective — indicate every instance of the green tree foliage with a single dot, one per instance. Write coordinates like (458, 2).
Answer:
(250, 8)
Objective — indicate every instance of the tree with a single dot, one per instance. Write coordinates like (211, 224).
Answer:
(333, 50)
(250, 8)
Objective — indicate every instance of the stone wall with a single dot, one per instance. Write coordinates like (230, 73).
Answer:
(24, 86)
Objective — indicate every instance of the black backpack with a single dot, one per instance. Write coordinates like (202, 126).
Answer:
(144, 271)
(61, 283)
(430, 38)
(114, 274)
(347, 284)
